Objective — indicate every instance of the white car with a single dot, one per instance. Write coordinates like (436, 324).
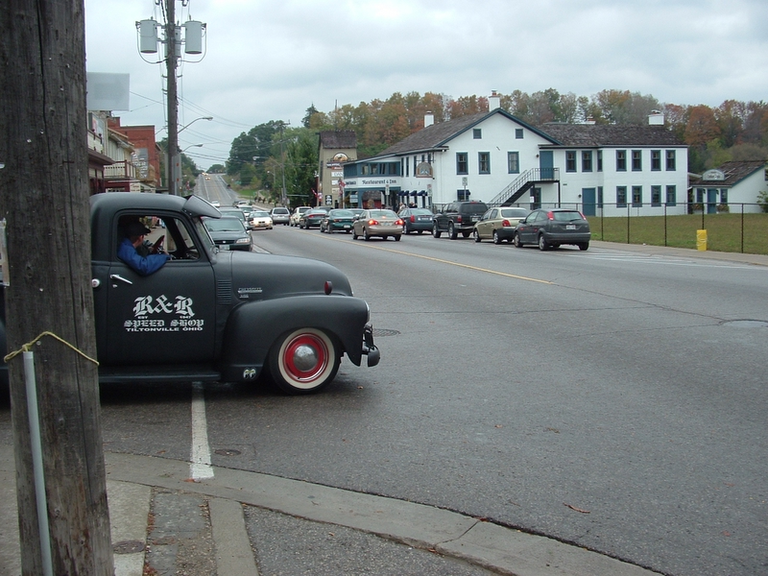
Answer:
(296, 215)
(280, 215)
(260, 219)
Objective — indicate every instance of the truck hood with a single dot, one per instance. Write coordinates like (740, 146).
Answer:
(266, 276)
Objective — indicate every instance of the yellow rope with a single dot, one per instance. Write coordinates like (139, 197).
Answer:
(28, 345)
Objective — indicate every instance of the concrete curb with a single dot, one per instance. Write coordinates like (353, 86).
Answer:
(505, 550)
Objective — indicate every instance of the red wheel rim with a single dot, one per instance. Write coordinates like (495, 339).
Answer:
(305, 357)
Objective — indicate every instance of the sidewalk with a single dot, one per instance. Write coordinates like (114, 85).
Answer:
(240, 523)
(735, 257)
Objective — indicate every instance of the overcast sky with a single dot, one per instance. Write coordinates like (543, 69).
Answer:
(272, 60)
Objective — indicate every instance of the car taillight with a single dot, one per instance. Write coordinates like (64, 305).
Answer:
(400, 222)
(458, 218)
(505, 223)
(373, 222)
(412, 218)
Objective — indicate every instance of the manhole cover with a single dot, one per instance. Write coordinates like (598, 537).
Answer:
(746, 323)
(227, 452)
(128, 547)
(385, 332)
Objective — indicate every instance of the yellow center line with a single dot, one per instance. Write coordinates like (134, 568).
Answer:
(440, 260)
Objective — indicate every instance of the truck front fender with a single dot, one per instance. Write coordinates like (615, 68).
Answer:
(254, 326)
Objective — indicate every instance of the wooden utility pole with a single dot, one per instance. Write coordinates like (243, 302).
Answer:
(171, 63)
(44, 198)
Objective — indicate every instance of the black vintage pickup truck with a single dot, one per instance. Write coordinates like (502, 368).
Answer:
(216, 315)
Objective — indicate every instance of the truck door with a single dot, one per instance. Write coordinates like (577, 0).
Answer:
(167, 317)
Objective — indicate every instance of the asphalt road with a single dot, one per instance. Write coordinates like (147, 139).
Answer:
(214, 188)
(607, 398)
(611, 399)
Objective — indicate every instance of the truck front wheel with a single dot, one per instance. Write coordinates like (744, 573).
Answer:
(304, 361)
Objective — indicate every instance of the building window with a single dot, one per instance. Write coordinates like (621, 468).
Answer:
(655, 160)
(671, 195)
(513, 162)
(407, 167)
(621, 161)
(655, 195)
(462, 163)
(484, 162)
(621, 196)
(671, 161)
(477, 133)
(637, 196)
(586, 161)
(599, 160)
(637, 160)
(518, 133)
(462, 195)
(724, 195)
(570, 161)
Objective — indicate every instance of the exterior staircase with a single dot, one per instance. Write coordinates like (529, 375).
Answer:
(523, 183)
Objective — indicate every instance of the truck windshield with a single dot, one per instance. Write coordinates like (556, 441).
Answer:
(204, 235)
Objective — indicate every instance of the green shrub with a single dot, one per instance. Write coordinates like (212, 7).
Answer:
(762, 200)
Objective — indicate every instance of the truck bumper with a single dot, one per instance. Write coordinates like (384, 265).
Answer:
(369, 348)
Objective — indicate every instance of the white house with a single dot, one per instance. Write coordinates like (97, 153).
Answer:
(734, 185)
(501, 160)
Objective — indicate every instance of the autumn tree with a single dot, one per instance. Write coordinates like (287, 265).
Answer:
(701, 127)
(466, 106)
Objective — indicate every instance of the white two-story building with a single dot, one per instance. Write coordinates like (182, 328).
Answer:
(501, 160)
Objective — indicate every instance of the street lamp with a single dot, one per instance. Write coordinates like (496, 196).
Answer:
(175, 156)
(193, 121)
(177, 165)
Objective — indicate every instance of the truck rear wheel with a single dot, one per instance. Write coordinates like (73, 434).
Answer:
(304, 361)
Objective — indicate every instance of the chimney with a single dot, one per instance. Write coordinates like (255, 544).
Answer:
(494, 101)
(429, 118)
(590, 121)
(655, 118)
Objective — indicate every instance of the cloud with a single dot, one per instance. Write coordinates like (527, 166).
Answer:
(271, 60)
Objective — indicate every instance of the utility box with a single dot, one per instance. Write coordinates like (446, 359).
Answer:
(147, 36)
(193, 37)
(701, 239)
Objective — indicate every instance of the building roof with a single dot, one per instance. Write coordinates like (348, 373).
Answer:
(601, 135)
(437, 135)
(732, 172)
(335, 139)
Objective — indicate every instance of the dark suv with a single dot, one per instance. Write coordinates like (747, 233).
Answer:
(457, 217)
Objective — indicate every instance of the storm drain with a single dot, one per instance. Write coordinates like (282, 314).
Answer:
(385, 332)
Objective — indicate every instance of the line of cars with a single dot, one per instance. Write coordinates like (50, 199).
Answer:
(366, 224)
(545, 227)
(232, 230)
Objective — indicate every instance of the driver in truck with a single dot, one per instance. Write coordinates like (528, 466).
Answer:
(128, 250)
